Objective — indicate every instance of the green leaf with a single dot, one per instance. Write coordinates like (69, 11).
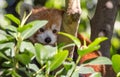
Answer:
(29, 32)
(13, 18)
(96, 74)
(3, 56)
(15, 74)
(100, 61)
(11, 30)
(116, 63)
(69, 68)
(75, 74)
(2, 37)
(97, 41)
(27, 26)
(41, 53)
(92, 47)
(44, 53)
(8, 48)
(27, 46)
(7, 64)
(58, 59)
(7, 45)
(118, 74)
(25, 57)
(84, 70)
(87, 50)
(73, 38)
(33, 67)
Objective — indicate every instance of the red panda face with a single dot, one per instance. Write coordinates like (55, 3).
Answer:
(47, 34)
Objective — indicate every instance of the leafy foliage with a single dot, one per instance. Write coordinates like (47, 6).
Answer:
(17, 55)
(13, 39)
(116, 64)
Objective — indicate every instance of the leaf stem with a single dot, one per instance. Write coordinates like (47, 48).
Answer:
(77, 62)
(24, 19)
(39, 70)
(17, 49)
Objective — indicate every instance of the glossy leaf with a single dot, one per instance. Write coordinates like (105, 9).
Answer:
(8, 48)
(69, 68)
(96, 74)
(3, 56)
(73, 38)
(58, 59)
(33, 67)
(75, 74)
(27, 26)
(15, 74)
(24, 57)
(27, 46)
(44, 53)
(13, 18)
(100, 61)
(85, 70)
(116, 63)
(87, 50)
(7, 64)
(41, 53)
(2, 37)
(7, 45)
(97, 41)
(29, 32)
(92, 47)
(11, 30)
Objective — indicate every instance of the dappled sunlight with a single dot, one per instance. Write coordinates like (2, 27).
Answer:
(109, 4)
(3, 21)
(117, 25)
(3, 4)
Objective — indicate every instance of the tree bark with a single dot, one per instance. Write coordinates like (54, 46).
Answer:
(102, 23)
(70, 24)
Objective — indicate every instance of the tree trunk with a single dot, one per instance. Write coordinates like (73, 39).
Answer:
(70, 24)
(102, 24)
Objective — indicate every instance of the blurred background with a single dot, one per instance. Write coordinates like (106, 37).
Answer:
(88, 10)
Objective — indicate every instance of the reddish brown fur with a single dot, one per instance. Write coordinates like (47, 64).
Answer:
(92, 55)
(54, 16)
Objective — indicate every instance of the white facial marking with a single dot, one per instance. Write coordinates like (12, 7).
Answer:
(55, 27)
(48, 33)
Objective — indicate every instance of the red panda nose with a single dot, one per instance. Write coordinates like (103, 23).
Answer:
(48, 40)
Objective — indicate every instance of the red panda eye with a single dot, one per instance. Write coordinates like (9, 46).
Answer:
(42, 30)
(54, 31)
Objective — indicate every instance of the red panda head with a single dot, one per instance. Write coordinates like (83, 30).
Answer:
(46, 35)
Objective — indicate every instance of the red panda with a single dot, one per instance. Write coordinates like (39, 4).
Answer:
(47, 35)
(92, 55)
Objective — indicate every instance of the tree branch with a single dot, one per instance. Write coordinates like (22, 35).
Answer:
(102, 23)
(71, 20)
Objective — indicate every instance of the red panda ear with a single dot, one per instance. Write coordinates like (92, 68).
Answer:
(25, 8)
